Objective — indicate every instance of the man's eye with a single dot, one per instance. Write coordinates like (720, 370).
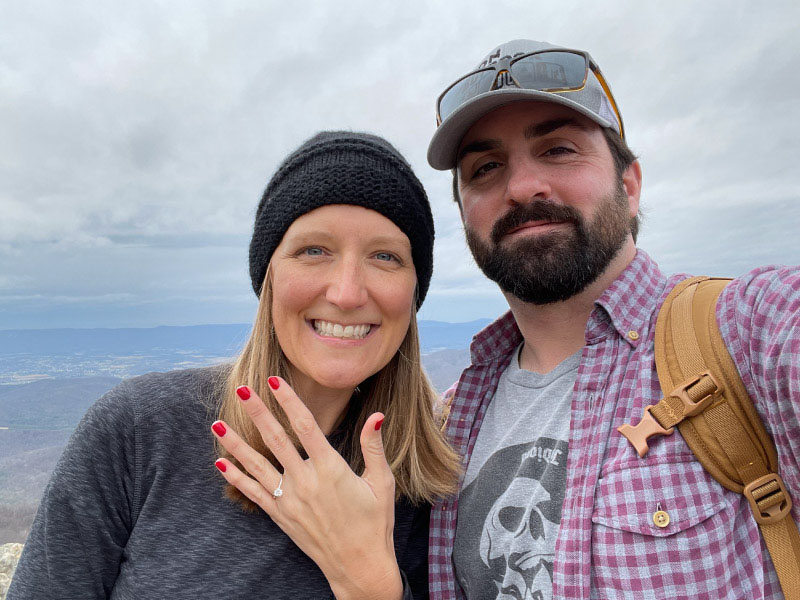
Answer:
(386, 256)
(312, 251)
(558, 151)
(485, 168)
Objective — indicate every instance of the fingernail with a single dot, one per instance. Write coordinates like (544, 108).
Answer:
(274, 383)
(220, 465)
(219, 428)
(243, 392)
(378, 425)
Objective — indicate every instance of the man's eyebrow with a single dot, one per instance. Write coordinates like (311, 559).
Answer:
(532, 131)
(546, 127)
(477, 146)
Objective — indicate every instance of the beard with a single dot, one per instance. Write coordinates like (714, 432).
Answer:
(556, 265)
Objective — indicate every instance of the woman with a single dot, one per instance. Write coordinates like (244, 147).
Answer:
(341, 259)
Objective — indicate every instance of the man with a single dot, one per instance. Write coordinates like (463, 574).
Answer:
(555, 503)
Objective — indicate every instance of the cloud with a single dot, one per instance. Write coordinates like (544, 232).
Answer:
(137, 138)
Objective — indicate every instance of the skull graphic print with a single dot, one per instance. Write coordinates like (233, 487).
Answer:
(514, 508)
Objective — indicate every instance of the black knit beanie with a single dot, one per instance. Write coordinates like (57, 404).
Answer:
(342, 167)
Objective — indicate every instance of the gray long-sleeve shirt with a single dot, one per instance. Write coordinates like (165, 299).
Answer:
(135, 509)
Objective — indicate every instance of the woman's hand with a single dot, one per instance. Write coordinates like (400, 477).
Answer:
(343, 522)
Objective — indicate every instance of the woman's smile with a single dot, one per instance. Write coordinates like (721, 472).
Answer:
(331, 329)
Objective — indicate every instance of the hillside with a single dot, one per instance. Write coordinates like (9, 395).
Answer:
(65, 371)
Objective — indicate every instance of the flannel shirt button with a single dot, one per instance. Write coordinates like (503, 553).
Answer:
(661, 518)
(634, 335)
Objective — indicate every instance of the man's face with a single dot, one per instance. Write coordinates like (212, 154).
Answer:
(543, 208)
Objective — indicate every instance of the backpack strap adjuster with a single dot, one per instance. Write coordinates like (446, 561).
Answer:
(696, 393)
(768, 498)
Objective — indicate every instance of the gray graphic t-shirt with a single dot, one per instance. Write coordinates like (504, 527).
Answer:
(509, 508)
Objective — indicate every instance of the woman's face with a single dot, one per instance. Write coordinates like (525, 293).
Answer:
(343, 284)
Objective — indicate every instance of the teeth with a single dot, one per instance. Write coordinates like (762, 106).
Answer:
(328, 329)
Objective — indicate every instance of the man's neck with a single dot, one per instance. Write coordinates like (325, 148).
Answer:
(553, 332)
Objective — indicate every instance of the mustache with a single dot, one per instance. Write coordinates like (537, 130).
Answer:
(538, 210)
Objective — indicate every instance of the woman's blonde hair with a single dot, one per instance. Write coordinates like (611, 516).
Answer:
(424, 466)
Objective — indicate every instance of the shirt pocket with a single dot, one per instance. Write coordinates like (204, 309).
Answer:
(634, 557)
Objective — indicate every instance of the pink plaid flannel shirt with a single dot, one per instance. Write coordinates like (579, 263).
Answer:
(608, 546)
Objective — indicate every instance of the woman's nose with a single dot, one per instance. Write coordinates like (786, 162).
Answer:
(347, 288)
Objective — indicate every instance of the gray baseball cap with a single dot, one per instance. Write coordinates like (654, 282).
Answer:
(593, 100)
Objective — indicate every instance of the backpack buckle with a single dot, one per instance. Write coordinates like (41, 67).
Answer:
(707, 389)
(769, 500)
(637, 435)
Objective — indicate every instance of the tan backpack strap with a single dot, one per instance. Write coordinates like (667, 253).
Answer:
(706, 399)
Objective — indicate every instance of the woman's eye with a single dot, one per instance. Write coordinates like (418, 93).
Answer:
(312, 251)
(385, 256)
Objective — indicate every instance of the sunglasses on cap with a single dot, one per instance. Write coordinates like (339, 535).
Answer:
(555, 71)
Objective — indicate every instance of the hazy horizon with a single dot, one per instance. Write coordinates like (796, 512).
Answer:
(243, 324)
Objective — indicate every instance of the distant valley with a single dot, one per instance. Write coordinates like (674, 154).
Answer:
(49, 377)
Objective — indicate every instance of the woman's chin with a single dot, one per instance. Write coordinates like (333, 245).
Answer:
(337, 380)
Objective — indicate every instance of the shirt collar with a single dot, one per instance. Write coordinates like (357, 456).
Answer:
(495, 340)
(629, 303)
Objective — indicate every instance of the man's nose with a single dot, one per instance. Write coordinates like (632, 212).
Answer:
(347, 288)
(527, 182)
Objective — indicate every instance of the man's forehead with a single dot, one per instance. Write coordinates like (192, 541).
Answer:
(526, 116)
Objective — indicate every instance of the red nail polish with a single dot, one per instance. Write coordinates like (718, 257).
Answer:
(378, 425)
(274, 383)
(220, 465)
(243, 392)
(219, 428)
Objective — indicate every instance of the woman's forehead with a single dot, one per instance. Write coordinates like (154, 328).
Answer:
(346, 220)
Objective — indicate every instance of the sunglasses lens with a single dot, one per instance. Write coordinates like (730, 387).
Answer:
(550, 71)
(543, 71)
(469, 87)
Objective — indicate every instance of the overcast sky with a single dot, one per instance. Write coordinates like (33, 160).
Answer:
(136, 137)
